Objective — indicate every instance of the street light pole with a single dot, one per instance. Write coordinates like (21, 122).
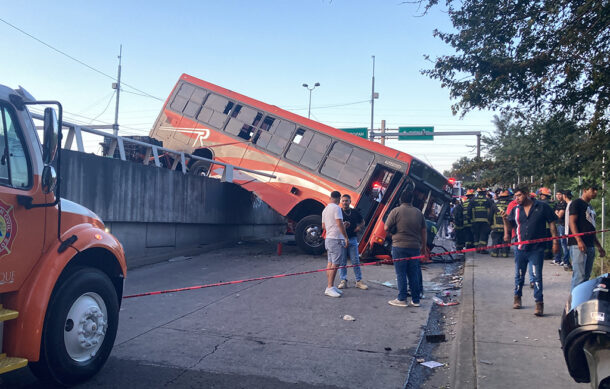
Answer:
(317, 84)
(372, 99)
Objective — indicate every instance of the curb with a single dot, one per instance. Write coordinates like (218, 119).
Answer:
(463, 353)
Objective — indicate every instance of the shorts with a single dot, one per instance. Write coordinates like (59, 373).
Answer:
(334, 250)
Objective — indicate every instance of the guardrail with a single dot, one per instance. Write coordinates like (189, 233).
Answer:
(75, 132)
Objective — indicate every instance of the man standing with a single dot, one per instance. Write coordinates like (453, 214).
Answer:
(354, 223)
(335, 241)
(529, 217)
(468, 239)
(567, 196)
(562, 258)
(544, 194)
(582, 247)
(408, 228)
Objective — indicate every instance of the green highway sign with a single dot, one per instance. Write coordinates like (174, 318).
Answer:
(415, 133)
(362, 132)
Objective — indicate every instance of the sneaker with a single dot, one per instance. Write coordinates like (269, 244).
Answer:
(412, 304)
(342, 284)
(361, 285)
(567, 267)
(397, 303)
(330, 292)
(337, 290)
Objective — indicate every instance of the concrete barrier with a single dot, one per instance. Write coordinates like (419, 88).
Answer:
(157, 213)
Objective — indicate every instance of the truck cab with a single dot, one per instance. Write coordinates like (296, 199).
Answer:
(61, 271)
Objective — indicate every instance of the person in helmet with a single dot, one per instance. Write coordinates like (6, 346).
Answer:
(458, 222)
(479, 210)
(497, 226)
(468, 242)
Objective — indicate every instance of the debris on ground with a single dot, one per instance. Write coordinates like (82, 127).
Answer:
(432, 364)
(348, 318)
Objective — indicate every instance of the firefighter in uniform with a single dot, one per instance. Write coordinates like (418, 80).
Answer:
(497, 226)
(479, 209)
(468, 242)
(458, 223)
(544, 194)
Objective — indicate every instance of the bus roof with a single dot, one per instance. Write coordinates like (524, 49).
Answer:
(305, 122)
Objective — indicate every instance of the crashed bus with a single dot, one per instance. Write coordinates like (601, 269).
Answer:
(308, 159)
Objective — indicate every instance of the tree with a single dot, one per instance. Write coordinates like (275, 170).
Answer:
(533, 56)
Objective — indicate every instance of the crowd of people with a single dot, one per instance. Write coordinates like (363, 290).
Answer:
(521, 216)
(504, 215)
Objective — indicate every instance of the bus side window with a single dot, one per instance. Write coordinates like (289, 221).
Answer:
(274, 134)
(347, 164)
(213, 111)
(242, 122)
(182, 97)
(308, 148)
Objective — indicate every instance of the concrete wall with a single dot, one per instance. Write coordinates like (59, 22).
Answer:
(157, 213)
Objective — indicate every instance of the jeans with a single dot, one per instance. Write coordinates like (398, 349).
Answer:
(407, 269)
(582, 264)
(352, 252)
(522, 258)
(564, 255)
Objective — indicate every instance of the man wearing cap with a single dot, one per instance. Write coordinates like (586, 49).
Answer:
(582, 247)
(563, 257)
(529, 218)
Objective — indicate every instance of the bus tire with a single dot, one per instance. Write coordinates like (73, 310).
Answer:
(308, 235)
(79, 330)
(199, 168)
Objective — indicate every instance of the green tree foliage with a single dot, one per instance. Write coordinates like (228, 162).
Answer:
(543, 56)
(550, 150)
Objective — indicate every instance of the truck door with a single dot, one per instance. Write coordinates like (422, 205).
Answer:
(21, 230)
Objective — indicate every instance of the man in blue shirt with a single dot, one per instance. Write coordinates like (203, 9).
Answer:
(529, 220)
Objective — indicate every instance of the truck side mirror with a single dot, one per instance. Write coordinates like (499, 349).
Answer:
(49, 179)
(50, 136)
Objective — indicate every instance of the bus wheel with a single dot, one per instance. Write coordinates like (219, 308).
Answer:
(199, 168)
(309, 234)
(79, 328)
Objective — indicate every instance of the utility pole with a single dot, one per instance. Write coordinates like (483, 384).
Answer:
(117, 86)
(371, 136)
(383, 132)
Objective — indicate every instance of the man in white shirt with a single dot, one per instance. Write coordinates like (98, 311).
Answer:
(335, 241)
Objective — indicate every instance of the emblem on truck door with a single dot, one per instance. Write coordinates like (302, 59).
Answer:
(8, 228)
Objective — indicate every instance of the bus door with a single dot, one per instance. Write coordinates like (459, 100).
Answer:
(379, 190)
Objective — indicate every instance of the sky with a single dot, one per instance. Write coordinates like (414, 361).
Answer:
(68, 51)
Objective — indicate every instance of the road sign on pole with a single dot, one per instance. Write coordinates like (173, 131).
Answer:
(416, 133)
(362, 132)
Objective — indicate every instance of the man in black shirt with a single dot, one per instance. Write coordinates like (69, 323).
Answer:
(582, 248)
(563, 257)
(354, 223)
(529, 218)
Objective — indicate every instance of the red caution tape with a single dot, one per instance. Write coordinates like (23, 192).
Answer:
(362, 264)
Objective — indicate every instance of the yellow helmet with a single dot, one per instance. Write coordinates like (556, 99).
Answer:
(469, 192)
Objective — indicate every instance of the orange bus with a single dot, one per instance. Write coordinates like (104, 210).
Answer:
(308, 159)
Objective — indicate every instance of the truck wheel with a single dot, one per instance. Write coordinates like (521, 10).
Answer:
(79, 328)
(308, 235)
(199, 168)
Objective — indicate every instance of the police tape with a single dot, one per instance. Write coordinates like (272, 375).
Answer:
(263, 278)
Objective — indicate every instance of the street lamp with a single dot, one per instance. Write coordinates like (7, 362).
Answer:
(317, 84)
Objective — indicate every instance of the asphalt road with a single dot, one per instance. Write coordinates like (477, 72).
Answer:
(275, 333)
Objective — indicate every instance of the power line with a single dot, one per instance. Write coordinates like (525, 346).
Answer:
(76, 59)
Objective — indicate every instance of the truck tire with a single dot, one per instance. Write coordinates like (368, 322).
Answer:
(199, 168)
(308, 235)
(79, 330)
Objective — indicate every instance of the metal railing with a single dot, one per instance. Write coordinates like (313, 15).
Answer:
(75, 132)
